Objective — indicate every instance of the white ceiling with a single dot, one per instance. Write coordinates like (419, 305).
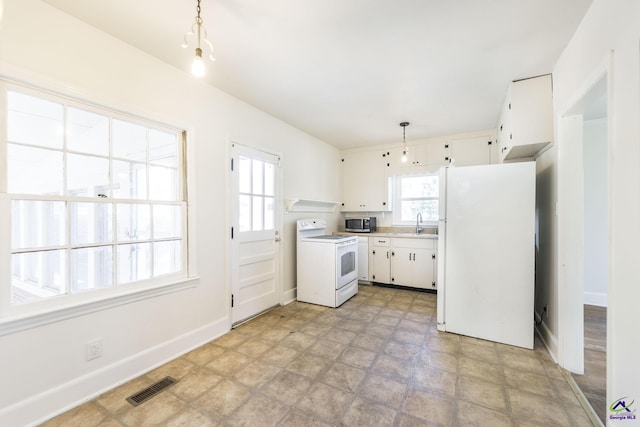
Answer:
(349, 71)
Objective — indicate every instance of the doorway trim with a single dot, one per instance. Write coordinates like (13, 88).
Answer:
(570, 284)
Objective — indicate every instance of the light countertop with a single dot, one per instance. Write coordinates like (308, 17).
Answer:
(426, 234)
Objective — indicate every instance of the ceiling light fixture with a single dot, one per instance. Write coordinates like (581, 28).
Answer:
(405, 149)
(197, 67)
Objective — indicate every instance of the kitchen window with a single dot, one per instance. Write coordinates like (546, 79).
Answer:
(413, 195)
(92, 200)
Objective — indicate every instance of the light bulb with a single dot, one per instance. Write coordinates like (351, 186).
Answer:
(404, 157)
(197, 67)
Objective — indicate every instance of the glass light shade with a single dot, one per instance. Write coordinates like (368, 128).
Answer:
(197, 67)
(404, 157)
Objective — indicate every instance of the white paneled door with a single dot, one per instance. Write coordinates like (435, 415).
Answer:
(255, 223)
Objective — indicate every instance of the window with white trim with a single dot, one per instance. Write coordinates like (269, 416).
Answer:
(413, 195)
(94, 198)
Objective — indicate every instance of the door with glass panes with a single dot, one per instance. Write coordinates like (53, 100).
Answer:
(255, 237)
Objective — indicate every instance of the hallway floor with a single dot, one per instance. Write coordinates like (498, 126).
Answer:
(593, 383)
(376, 361)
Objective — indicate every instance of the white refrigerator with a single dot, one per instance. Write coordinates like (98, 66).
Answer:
(486, 250)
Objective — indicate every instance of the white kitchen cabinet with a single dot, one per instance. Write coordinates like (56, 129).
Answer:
(363, 259)
(380, 259)
(364, 181)
(413, 263)
(417, 155)
(526, 122)
(428, 154)
(402, 265)
(403, 261)
(437, 153)
(477, 150)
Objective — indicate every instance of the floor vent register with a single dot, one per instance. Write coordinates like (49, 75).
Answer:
(154, 389)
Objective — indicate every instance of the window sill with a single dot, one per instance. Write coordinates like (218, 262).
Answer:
(18, 323)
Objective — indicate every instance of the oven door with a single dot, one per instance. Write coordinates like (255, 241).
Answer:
(346, 262)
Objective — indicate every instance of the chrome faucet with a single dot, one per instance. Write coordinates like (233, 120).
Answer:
(418, 221)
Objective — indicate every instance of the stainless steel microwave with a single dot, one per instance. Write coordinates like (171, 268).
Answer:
(360, 225)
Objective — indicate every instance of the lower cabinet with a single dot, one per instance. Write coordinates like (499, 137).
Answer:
(413, 263)
(380, 259)
(403, 261)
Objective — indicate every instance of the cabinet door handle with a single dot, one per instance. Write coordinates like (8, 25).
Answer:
(414, 257)
(387, 254)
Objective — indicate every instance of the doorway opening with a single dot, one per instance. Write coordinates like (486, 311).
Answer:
(595, 259)
(585, 253)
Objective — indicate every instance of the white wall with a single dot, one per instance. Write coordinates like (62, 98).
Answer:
(42, 370)
(608, 26)
(596, 243)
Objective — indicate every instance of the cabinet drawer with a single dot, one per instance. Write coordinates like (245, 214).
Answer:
(414, 243)
(380, 241)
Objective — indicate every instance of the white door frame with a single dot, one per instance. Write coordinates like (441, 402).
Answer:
(570, 244)
(232, 223)
(570, 211)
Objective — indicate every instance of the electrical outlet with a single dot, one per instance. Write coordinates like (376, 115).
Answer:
(94, 349)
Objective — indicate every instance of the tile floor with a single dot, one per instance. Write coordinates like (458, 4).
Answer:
(376, 361)
(594, 381)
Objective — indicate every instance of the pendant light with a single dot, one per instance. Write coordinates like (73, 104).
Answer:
(198, 30)
(405, 149)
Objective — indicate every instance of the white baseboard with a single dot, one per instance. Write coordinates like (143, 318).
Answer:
(595, 298)
(52, 402)
(289, 296)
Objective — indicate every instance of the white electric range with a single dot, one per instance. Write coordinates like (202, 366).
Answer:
(327, 264)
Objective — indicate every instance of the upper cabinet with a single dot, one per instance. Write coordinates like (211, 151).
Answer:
(477, 150)
(526, 122)
(366, 173)
(429, 156)
(364, 181)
